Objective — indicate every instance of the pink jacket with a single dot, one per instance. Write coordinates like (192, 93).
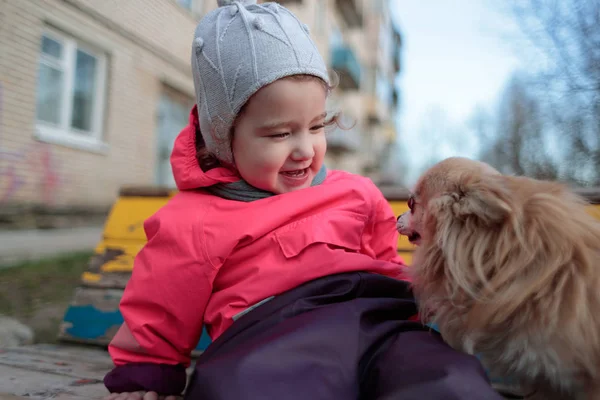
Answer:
(208, 259)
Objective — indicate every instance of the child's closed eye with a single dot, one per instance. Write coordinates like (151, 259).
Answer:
(279, 135)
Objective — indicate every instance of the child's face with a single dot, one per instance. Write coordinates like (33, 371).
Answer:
(279, 140)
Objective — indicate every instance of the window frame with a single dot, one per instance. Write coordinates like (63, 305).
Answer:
(63, 133)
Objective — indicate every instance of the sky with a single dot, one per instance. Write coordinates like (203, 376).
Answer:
(456, 55)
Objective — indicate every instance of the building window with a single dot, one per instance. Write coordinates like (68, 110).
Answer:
(187, 4)
(383, 89)
(335, 37)
(70, 92)
(172, 115)
(194, 7)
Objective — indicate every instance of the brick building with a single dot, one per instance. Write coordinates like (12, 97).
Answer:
(92, 93)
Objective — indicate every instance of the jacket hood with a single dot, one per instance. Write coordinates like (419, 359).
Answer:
(186, 171)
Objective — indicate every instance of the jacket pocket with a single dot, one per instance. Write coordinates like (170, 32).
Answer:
(338, 229)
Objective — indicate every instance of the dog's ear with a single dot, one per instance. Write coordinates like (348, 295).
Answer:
(485, 199)
(465, 223)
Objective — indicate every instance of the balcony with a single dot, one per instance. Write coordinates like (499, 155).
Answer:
(345, 63)
(395, 98)
(396, 64)
(397, 45)
(377, 111)
(390, 133)
(343, 141)
(351, 12)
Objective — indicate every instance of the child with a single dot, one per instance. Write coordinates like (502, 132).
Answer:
(292, 268)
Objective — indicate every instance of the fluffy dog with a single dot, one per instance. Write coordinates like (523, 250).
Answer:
(509, 269)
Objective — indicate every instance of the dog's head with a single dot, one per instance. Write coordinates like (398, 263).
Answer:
(443, 179)
(489, 243)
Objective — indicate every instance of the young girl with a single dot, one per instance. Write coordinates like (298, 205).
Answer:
(292, 268)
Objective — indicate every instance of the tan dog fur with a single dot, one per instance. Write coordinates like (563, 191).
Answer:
(509, 268)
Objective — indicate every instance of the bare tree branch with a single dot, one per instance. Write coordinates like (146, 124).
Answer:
(566, 34)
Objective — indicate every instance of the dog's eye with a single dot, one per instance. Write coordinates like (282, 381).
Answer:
(411, 203)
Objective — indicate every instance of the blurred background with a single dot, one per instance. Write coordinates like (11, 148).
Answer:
(94, 92)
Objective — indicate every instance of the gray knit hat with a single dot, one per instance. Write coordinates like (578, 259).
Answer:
(239, 48)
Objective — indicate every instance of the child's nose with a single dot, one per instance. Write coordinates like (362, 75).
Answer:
(304, 150)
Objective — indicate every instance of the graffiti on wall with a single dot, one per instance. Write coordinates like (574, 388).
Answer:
(33, 167)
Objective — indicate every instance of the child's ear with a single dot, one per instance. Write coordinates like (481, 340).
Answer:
(485, 199)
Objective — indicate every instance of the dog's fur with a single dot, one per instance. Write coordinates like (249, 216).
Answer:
(509, 269)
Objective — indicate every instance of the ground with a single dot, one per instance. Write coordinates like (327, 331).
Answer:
(37, 293)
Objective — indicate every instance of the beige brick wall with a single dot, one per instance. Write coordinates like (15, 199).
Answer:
(147, 42)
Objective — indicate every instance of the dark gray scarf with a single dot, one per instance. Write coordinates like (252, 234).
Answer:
(242, 191)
